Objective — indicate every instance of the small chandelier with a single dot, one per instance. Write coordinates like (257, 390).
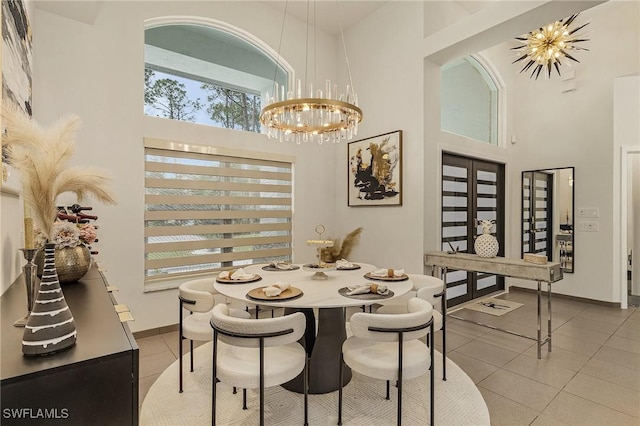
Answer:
(548, 45)
(304, 115)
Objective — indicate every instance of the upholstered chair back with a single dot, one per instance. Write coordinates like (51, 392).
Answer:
(419, 312)
(222, 320)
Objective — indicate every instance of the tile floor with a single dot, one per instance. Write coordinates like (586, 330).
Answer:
(592, 376)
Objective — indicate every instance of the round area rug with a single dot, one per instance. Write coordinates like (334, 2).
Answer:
(457, 402)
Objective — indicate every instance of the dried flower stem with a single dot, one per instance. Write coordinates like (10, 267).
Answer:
(41, 155)
(341, 250)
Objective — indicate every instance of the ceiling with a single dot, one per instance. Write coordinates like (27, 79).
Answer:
(327, 11)
(83, 11)
(351, 11)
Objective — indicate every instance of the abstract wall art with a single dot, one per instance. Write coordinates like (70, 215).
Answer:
(16, 54)
(375, 171)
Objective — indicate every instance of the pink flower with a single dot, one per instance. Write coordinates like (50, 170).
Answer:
(87, 233)
(67, 234)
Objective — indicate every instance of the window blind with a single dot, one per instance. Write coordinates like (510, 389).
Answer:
(207, 212)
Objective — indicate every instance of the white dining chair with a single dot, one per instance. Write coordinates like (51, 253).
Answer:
(388, 347)
(432, 290)
(254, 354)
(198, 297)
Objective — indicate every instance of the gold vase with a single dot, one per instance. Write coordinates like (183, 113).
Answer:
(72, 263)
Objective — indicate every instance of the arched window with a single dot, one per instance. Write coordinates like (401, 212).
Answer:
(207, 72)
(469, 100)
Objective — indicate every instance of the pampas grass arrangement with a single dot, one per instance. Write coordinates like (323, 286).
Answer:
(41, 155)
(341, 250)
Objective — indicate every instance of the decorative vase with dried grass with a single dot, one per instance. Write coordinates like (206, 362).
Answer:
(341, 249)
(41, 156)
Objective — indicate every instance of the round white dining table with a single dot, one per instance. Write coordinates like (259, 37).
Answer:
(324, 344)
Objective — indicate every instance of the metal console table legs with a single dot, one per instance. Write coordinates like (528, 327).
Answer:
(515, 268)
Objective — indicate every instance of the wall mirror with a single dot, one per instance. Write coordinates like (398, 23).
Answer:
(547, 215)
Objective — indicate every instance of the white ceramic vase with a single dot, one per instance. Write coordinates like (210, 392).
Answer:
(486, 245)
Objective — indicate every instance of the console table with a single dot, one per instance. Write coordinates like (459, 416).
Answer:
(93, 382)
(516, 268)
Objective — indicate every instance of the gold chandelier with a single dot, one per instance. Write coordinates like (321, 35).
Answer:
(304, 115)
(548, 45)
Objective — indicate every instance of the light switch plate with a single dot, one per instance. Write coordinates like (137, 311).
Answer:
(588, 212)
(589, 226)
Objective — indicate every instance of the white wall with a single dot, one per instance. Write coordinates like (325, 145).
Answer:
(12, 237)
(551, 129)
(633, 226)
(11, 212)
(576, 129)
(387, 73)
(96, 71)
(626, 146)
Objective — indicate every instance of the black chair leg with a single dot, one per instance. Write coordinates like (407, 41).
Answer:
(180, 345)
(191, 353)
(340, 390)
(214, 374)
(400, 350)
(444, 351)
(244, 399)
(388, 397)
(432, 382)
(399, 402)
(180, 359)
(306, 390)
(235, 390)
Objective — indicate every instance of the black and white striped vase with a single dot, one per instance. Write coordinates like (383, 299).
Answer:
(50, 327)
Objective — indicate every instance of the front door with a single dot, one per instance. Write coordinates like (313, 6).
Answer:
(472, 190)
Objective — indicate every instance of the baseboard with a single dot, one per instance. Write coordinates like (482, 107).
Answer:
(155, 331)
(567, 297)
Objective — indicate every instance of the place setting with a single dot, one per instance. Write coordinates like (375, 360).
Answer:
(387, 274)
(277, 291)
(369, 291)
(345, 265)
(280, 266)
(238, 276)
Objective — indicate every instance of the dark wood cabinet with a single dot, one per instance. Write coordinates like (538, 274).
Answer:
(94, 382)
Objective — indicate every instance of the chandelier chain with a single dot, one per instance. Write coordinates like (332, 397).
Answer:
(284, 17)
(306, 113)
(344, 47)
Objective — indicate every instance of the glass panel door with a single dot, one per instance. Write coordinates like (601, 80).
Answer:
(455, 221)
(472, 190)
(537, 191)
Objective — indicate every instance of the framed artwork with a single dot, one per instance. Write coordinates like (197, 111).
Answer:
(16, 54)
(375, 171)
(16, 60)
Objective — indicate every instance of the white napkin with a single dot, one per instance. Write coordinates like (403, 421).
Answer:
(343, 263)
(241, 275)
(275, 289)
(281, 265)
(385, 273)
(366, 288)
(237, 275)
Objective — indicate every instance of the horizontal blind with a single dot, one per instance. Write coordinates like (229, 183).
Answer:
(209, 212)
